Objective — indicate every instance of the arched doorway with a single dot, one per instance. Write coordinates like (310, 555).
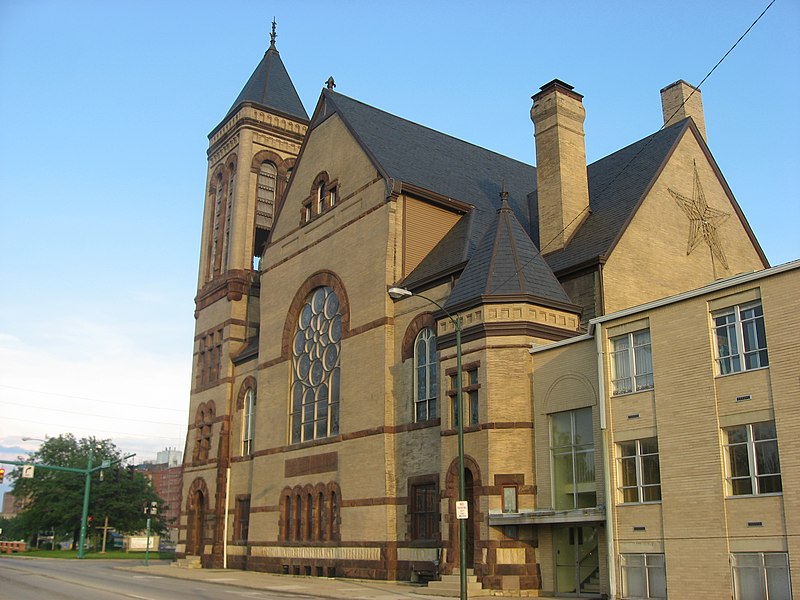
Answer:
(472, 486)
(195, 532)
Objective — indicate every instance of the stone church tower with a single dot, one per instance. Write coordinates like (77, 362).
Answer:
(251, 154)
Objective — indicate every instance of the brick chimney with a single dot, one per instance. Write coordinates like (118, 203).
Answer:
(563, 189)
(679, 100)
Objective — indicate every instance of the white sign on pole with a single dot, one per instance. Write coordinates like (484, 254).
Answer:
(27, 472)
(462, 509)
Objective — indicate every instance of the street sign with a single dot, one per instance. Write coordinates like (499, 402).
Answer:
(462, 509)
(27, 472)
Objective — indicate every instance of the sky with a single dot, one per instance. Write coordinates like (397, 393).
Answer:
(106, 106)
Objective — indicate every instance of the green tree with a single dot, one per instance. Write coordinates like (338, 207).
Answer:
(55, 498)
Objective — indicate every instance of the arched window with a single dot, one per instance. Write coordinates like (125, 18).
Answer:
(315, 367)
(248, 422)
(215, 229)
(226, 242)
(426, 382)
(320, 197)
(265, 194)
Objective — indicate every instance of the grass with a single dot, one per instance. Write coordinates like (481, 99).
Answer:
(109, 555)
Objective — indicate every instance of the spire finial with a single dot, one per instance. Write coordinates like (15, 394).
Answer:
(273, 35)
(330, 84)
(504, 196)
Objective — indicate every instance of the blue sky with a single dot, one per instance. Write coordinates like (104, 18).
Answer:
(106, 107)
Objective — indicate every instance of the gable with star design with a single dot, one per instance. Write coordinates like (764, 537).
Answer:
(690, 227)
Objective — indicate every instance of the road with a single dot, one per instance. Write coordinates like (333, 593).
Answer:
(56, 579)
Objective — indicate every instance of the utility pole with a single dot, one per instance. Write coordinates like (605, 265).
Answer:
(105, 529)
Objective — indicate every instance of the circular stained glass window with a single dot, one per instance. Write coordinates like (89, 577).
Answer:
(315, 361)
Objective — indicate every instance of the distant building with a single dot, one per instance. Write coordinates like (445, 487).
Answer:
(166, 475)
(11, 505)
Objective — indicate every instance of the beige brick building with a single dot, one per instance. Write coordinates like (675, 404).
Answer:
(322, 435)
(689, 412)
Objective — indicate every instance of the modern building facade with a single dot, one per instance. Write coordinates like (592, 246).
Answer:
(669, 433)
(323, 432)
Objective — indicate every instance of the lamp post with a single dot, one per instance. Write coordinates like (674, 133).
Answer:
(396, 293)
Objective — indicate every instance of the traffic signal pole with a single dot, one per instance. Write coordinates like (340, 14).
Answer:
(87, 487)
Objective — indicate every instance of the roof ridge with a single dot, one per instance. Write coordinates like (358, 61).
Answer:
(436, 131)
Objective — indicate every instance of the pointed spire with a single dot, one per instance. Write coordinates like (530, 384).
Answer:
(330, 84)
(270, 86)
(506, 263)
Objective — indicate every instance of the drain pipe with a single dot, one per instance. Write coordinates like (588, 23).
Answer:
(607, 461)
(225, 526)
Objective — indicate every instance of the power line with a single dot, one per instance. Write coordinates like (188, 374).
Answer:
(21, 389)
(635, 156)
(94, 430)
(85, 414)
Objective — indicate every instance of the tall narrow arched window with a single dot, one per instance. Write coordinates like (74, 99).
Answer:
(215, 229)
(265, 194)
(248, 422)
(315, 367)
(226, 240)
(426, 382)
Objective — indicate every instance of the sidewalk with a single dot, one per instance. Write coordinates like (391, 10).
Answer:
(323, 587)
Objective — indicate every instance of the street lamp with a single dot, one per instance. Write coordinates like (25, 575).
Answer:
(397, 293)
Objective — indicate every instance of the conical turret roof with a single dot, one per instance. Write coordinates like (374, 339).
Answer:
(506, 263)
(271, 87)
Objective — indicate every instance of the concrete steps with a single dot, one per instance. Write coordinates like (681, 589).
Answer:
(190, 562)
(450, 586)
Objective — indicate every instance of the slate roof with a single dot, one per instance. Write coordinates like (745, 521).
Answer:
(506, 263)
(617, 183)
(271, 87)
(412, 153)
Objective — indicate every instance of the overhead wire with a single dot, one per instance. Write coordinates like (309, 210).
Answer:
(635, 156)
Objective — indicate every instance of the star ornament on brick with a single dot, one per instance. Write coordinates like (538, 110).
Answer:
(703, 220)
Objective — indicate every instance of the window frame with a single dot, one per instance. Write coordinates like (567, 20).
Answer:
(242, 519)
(470, 393)
(753, 459)
(763, 569)
(638, 458)
(424, 518)
(645, 573)
(631, 363)
(572, 450)
(309, 414)
(431, 369)
(248, 422)
(737, 358)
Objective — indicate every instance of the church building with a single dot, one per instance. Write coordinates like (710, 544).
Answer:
(323, 426)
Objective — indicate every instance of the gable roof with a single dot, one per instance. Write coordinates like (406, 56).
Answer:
(411, 153)
(417, 155)
(617, 184)
(271, 87)
(506, 263)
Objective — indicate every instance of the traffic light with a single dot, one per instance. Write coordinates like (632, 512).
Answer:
(131, 470)
(2, 475)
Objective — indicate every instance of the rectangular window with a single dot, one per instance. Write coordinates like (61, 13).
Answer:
(424, 512)
(332, 197)
(469, 396)
(741, 340)
(761, 575)
(242, 519)
(639, 472)
(643, 576)
(509, 499)
(631, 362)
(752, 464)
(572, 450)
